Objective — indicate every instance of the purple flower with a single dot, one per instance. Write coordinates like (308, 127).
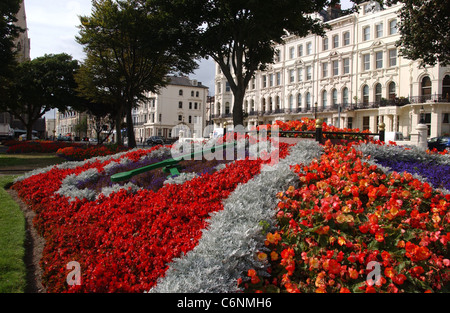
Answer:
(437, 174)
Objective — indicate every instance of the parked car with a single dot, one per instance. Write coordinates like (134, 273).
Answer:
(155, 140)
(24, 137)
(440, 143)
(64, 138)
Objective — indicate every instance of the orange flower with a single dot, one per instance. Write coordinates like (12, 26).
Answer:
(341, 219)
(353, 273)
(373, 219)
(286, 253)
(262, 256)
(273, 238)
(254, 277)
(320, 280)
(389, 272)
(422, 253)
(273, 256)
(379, 236)
(323, 230)
(291, 288)
(314, 263)
(255, 280)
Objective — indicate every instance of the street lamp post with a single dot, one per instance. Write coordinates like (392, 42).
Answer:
(422, 115)
(315, 110)
(422, 130)
(339, 116)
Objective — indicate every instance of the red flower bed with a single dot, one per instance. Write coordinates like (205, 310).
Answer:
(87, 152)
(306, 124)
(38, 146)
(124, 242)
(346, 214)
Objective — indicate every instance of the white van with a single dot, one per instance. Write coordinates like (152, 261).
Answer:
(6, 132)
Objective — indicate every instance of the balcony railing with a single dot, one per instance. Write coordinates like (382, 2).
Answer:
(401, 101)
(430, 98)
(216, 116)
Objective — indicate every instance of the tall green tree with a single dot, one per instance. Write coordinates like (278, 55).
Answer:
(40, 85)
(425, 31)
(102, 91)
(241, 35)
(139, 46)
(8, 32)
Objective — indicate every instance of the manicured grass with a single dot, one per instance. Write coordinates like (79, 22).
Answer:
(34, 159)
(12, 240)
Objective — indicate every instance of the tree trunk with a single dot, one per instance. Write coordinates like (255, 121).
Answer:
(29, 127)
(238, 113)
(130, 128)
(98, 136)
(119, 128)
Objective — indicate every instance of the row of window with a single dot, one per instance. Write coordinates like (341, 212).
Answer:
(192, 106)
(300, 99)
(379, 30)
(337, 68)
(191, 119)
(193, 93)
(68, 114)
(143, 118)
(364, 98)
(336, 41)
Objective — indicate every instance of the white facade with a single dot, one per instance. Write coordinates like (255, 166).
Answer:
(353, 78)
(182, 101)
(50, 128)
(66, 123)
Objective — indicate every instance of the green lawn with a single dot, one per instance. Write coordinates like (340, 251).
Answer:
(36, 160)
(12, 240)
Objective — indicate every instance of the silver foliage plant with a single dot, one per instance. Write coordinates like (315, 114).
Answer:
(107, 191)
(234, 235)
(70, 189)
(180, 179)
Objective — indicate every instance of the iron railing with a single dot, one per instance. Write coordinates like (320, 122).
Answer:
(401, 101)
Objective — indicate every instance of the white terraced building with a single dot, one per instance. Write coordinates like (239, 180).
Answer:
(182, 102)
(354, 78)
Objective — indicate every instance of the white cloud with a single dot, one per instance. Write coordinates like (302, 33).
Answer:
(206, 74)
(52, 26)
